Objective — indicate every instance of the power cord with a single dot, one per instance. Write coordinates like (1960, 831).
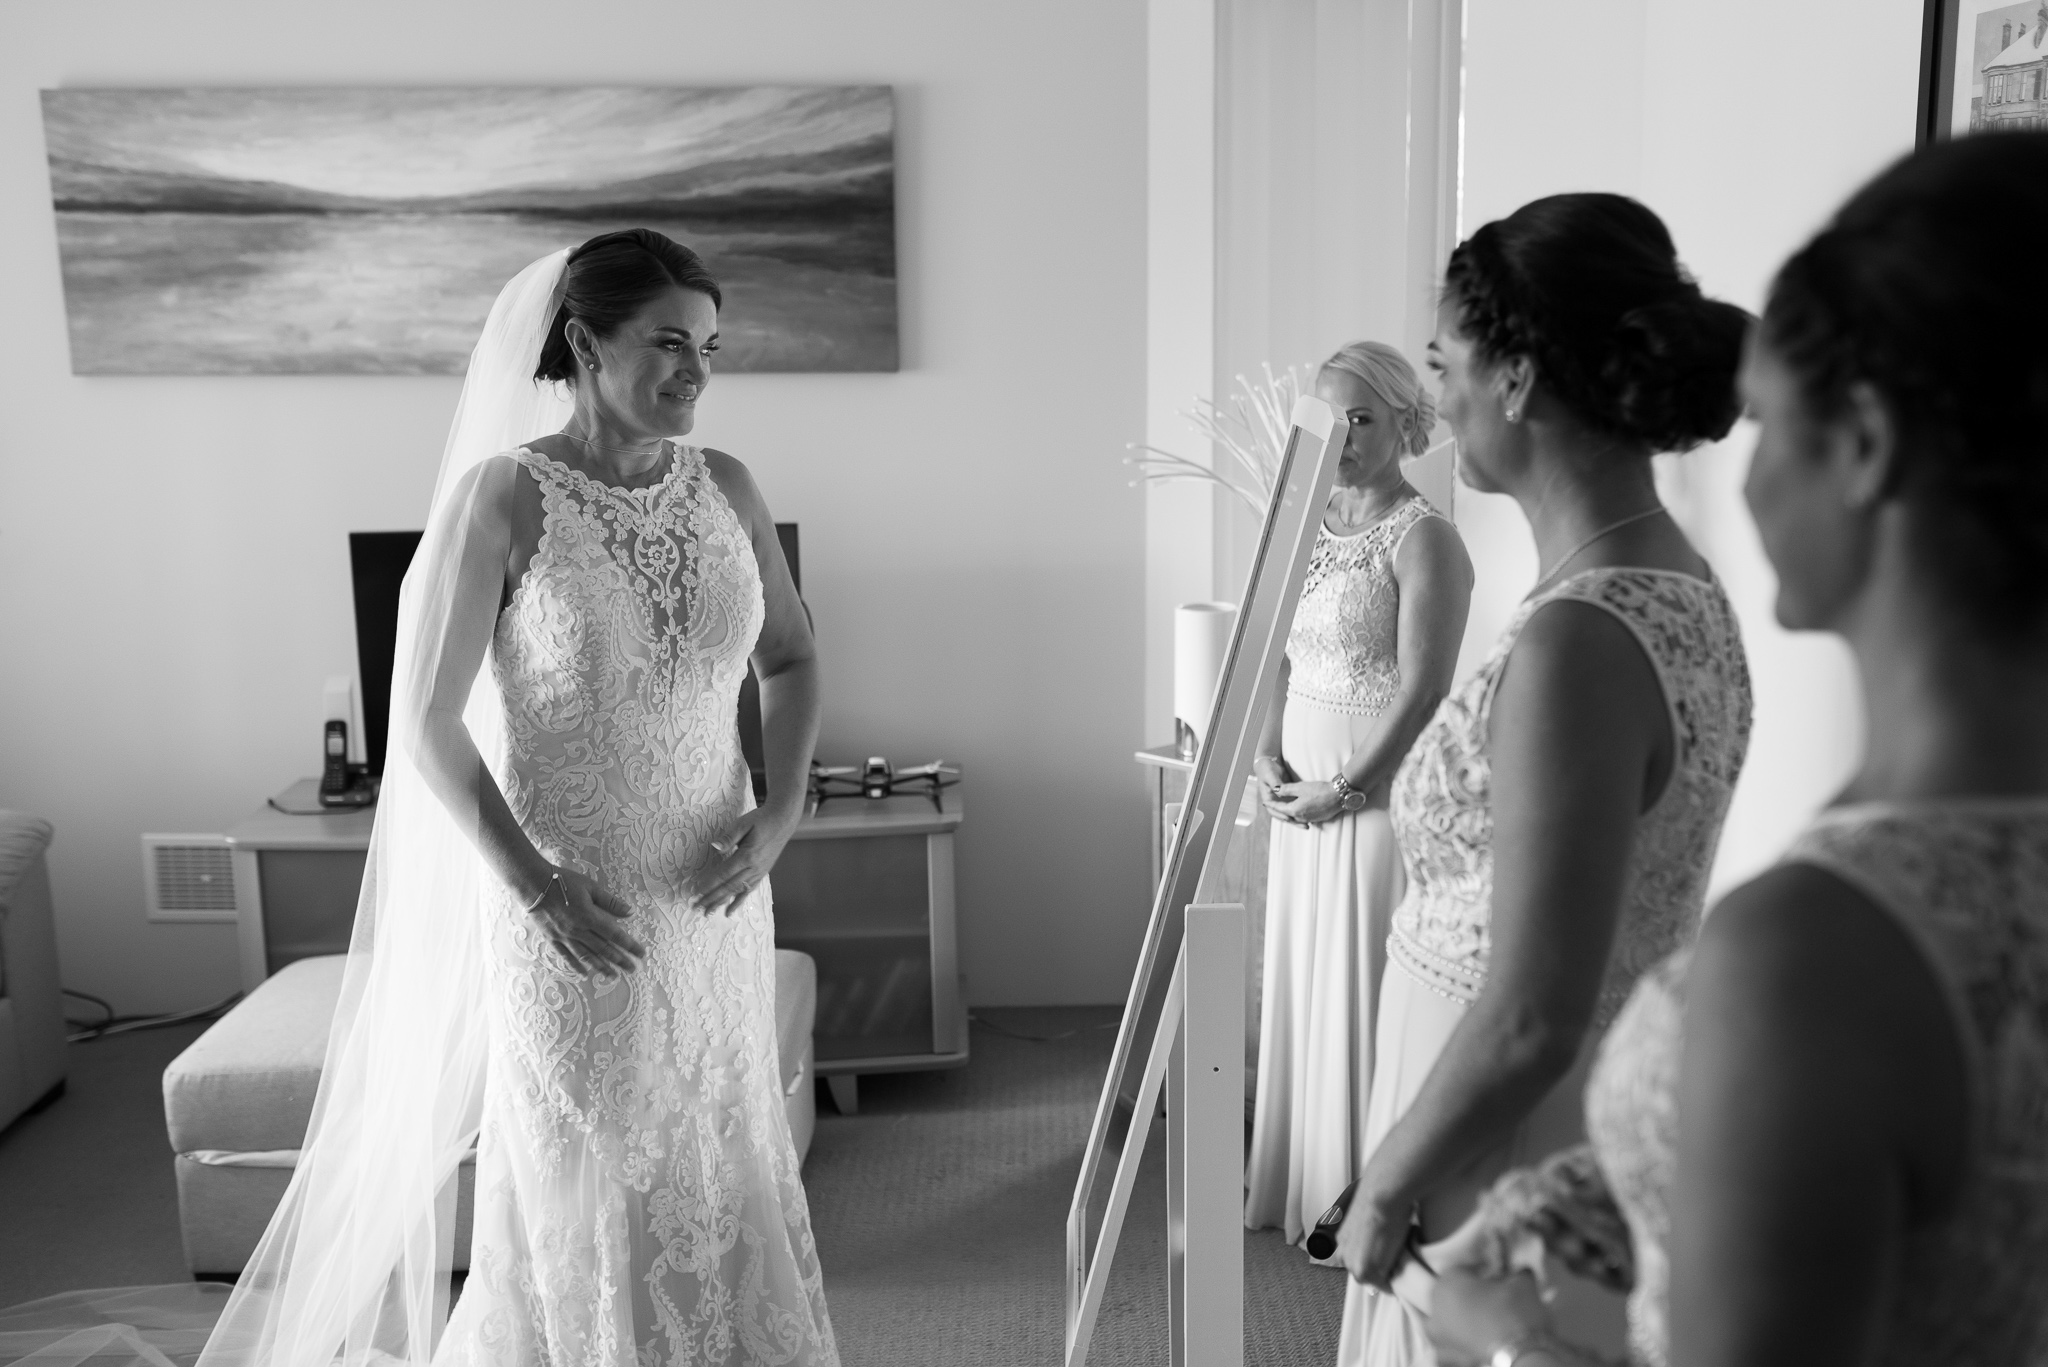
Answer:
(115, 1024)
(988, 1024)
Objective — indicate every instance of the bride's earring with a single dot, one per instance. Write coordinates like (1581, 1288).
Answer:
(1514, 415)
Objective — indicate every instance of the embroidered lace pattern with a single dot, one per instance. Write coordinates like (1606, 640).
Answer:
(1969, 882)
(1343, 650)
(1442, 810)
(638, 1199)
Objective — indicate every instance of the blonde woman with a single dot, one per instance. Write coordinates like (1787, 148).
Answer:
(1370, 655)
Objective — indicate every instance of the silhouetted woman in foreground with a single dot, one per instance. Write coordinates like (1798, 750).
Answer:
(1828, 1124)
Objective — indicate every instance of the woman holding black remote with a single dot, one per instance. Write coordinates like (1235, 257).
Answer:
(1827, 1124)
(1559, 815)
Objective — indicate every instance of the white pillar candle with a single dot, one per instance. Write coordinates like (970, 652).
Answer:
(1201, 637)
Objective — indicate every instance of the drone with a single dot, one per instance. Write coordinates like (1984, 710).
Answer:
(878, 778)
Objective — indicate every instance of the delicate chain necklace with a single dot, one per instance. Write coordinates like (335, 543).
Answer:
(615, 450)
(1566, 558)
(1379, 514)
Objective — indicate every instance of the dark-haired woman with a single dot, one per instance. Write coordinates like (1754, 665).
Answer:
(572, 960)
(1559, 815)
(1827, 1124)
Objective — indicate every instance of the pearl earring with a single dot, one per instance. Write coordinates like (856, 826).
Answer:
(1514, 415)
(591, 364)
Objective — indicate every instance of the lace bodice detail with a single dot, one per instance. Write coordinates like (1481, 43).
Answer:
(1969, 882)
(620, 659)
(1442, 808)
(636, 1174)
(1343, 650)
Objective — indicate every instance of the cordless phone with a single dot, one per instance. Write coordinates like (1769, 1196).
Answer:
(334, 775)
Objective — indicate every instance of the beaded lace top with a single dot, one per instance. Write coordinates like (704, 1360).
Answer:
(1969, 882)
(1442, 809)
(1343, 650)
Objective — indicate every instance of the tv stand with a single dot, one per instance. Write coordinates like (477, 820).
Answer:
(865, 887)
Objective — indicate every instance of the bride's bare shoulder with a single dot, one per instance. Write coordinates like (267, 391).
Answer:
(491, 494)
(736, 482)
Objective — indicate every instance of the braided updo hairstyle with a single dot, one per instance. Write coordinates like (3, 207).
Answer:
(609, 279)
(1386, 372)
(1589, 288)
(1923, 287)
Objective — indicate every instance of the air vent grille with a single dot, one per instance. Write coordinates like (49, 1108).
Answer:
(188, 877)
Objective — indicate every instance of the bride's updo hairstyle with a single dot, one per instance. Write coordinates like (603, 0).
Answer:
(609, 279)
(1386, 372)
(1917, 289)
(1589, 288)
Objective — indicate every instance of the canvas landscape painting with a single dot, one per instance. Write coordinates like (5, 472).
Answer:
(366, 231)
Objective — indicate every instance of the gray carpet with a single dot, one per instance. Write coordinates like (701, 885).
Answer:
(941, 1217)
(87, 1196)
(940, 1209)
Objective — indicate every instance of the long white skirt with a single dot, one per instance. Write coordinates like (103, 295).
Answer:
(1330, 892)
(1414, 1025)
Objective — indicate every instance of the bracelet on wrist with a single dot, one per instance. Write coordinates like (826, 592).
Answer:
(554, 881)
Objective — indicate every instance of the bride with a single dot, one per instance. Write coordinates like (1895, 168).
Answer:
(563, 952)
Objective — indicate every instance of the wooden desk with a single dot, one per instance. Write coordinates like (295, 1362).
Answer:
(296, 881)
(864, 887)
(1243, 876)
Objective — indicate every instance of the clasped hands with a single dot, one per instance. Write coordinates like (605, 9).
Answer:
(1471, 1312)
(583, 921)
(1290, 798)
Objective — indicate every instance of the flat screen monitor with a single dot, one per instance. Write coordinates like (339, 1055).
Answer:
(378, 561)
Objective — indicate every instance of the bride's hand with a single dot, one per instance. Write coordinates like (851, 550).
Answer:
(741, 857)
(581, 921)
(1471, 1316)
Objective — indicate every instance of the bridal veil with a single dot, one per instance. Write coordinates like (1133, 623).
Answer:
(354, 1268)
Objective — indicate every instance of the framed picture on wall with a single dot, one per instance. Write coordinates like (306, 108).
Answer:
(366, 230)
(1983, 67)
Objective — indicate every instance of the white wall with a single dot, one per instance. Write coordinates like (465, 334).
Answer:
(174, 549)
(1712, 116)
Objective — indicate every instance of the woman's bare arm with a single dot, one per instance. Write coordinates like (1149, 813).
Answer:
(1576, 723)
(580, 919)
(1821, 1112)
(786, 663)
(1269, 762)
(1435, 578)
(478, 525)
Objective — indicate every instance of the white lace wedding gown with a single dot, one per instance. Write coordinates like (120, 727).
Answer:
(1330, 888)
(638, 1200)
(1437, 954)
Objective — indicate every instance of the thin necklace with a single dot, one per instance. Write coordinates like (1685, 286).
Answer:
(1379, 514)
(1566, 558)
(616, 450)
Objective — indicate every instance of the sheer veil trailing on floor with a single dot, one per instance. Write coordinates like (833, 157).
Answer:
(354, 1267)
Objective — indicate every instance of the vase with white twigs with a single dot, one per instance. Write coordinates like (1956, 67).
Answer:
(1249, 428)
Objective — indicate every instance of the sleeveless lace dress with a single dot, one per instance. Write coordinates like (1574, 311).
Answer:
(1968, 880)
(1442, 814)
(638, 1200)
(1330, 889)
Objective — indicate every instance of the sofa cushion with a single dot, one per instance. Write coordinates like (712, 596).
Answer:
(248, 1082)
(22, 839)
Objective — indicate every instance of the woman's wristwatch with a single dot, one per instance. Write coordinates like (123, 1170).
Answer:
(1350, 798)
